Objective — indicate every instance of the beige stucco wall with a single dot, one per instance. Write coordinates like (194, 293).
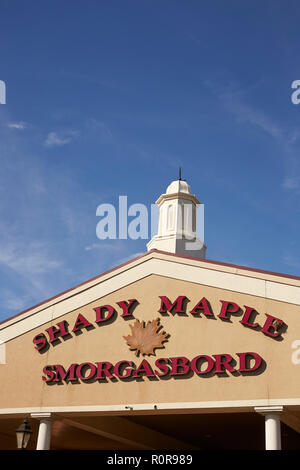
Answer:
(21, 376)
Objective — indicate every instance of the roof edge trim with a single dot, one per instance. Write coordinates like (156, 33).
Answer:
(150, 255)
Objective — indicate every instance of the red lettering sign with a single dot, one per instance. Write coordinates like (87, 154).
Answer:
(202, 307)
(175, 307)
(163, 367)
(273, 327)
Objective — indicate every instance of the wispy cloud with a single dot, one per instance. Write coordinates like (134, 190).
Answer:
(129, 257)
(293, 137)
(31, 260)
(55, 139)
(291, 261)
(234, 101)
(117, 245)
(93, 246)
(291, 183)
(33, 267)
(11, 302)
(237, 102)
(95, 125)
(17, 125)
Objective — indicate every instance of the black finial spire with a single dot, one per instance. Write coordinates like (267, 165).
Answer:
(180, 173)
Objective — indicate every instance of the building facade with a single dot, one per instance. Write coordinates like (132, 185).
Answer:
(166, 351)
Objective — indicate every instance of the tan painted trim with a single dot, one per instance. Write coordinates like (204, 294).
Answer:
(156, 263)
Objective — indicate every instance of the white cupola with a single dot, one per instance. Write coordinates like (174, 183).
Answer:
(177, 222)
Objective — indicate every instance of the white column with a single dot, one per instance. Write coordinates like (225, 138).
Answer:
(273, 434)
(44, 436)
(272, 426)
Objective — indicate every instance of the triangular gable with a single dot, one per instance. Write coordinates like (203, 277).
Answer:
(255, 348)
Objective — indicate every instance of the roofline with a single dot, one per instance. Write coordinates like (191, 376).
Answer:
(237, 266)
(246, 268)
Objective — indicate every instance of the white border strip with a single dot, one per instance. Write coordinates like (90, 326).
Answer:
(2, 352)
(184, 406)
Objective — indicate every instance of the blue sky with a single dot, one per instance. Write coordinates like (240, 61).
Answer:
(108, 98)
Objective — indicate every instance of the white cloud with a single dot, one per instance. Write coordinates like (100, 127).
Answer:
(233, 99)
(30, 261)
(114, 246)
(128, 258)
(291, 183)
(17, 125)
(93, 246)
(291, 260)
(99, 127)
(245, 113)
(293, 137)
(10, 300)
(53, 140)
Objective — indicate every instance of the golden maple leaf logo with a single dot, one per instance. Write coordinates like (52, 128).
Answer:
(145, 338)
